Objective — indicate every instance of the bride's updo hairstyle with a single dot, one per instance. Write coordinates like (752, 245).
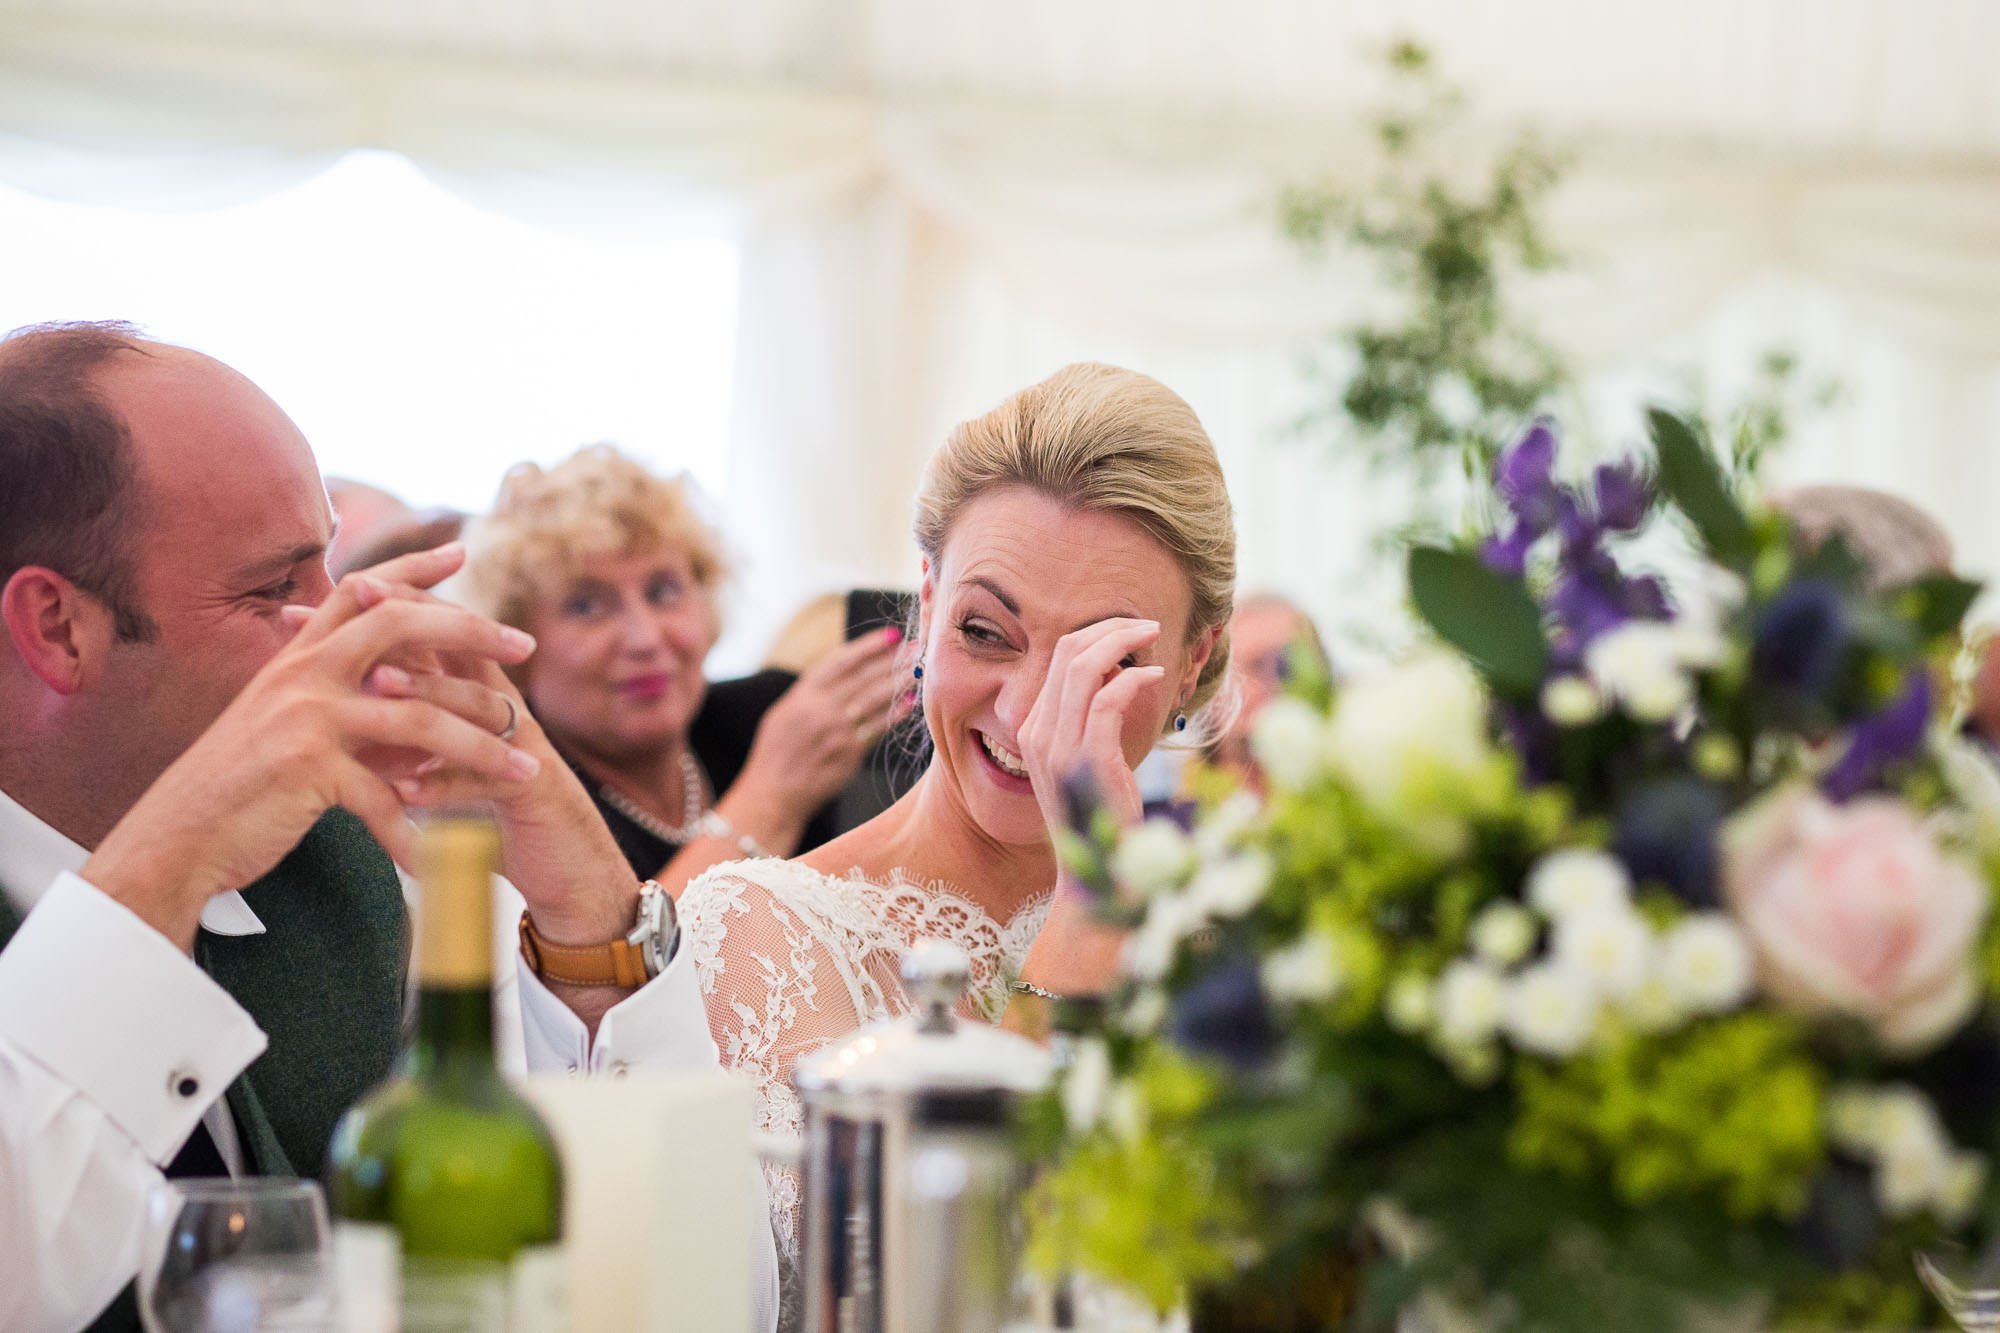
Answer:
(1101, 438)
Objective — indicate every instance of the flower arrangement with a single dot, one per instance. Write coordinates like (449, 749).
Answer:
(1627, 961)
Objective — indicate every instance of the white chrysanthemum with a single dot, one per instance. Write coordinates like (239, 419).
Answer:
(1231, 887)
(1653, 1007)
(1471, 1000)
(1125, 1111)
(1216, 834)
(1609, 947)
(1910, 1182)
(1170, 918)
(1146, 1011)
(1571, 701)
(1503, 933)
(1427, 715)
(1850, 1119)
(1153, 857)
(1411, 1003)
(1477, 1065)
(1577, 880)
(1707, 964)
(1639, 665)
(1305, 971)
(1289, 741)
(1551, 1010)
(1085, 1085)
(1963, 1189)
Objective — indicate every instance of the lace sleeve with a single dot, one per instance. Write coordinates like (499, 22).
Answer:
(787, 963)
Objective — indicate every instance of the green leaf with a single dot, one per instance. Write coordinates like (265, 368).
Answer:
(1937, 602)
(1487, 616)
(1694, 481)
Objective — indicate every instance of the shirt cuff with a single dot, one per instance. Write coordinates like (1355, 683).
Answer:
(662, 1026)
(105, 1003)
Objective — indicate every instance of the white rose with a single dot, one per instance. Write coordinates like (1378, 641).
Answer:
(1427, 716)
(1610, 947)
(1231, 887)
(1576, 880)
(1913, 1155)
(1571, 701)
(1639, 665)
(1471, 999)
(1152, 857)
(1551, 1010)
(1706, 963)
(1305, 971)
(1502, 934)
(1288, 740)
(1085, 1084)
(1411, 1003)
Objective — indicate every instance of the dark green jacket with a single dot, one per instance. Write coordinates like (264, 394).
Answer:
(324, 981)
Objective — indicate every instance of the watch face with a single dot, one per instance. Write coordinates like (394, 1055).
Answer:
(657, 926)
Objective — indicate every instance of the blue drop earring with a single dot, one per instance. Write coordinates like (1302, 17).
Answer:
(1180, 721)
(918, 671)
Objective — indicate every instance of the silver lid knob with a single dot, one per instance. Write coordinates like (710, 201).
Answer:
(935, 975)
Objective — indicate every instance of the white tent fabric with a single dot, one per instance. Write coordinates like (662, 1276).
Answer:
(938, 203)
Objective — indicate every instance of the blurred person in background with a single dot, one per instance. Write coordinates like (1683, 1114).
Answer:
(362, 513)
(616, 575)
(1266, 632)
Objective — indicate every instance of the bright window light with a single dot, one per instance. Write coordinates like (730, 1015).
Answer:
(422, 344)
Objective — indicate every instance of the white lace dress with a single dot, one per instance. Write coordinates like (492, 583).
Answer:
(790, 958)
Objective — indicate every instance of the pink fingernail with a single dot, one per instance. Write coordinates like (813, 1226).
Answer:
(519, 640)
(523, 765)
(394, 678)
(893, 634)
(370, 592)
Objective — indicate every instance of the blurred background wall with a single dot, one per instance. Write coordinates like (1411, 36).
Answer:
(820, 231)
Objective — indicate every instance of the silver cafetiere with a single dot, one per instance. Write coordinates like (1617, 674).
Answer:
(912, 1181)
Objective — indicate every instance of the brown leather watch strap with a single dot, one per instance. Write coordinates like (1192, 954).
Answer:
(615, 964)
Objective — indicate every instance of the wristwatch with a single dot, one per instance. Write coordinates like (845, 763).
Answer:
(628, 962)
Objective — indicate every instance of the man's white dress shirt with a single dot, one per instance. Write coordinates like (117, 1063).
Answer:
(113, 1045)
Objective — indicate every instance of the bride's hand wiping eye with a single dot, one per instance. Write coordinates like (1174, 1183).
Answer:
(1079, 720)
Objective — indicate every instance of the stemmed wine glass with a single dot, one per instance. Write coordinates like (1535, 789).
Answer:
(1966, 1283)
(230, 1256)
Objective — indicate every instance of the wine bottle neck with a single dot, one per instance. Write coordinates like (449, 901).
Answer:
(454, 1030)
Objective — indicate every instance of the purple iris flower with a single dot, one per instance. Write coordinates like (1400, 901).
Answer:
(1535, 739)
(1882, 740)
(1622, 496)
(1225, 1015)
(1801, 641)
(1525, 479)
(1646, 599)
(1509, 554)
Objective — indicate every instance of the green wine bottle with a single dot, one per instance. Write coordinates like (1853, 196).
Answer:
(445, 1185)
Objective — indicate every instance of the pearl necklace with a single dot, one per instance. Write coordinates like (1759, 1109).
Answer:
(694, 805)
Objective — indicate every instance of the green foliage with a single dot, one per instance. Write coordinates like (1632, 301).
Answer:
(1691, 477)
(1488, 617)
(1728, 1109)
(1457, 370)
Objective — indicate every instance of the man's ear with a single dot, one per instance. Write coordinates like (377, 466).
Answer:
(58, 631)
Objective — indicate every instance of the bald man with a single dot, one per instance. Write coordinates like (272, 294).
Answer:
(207, 755)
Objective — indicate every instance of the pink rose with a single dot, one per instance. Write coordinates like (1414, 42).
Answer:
(1855, 909)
